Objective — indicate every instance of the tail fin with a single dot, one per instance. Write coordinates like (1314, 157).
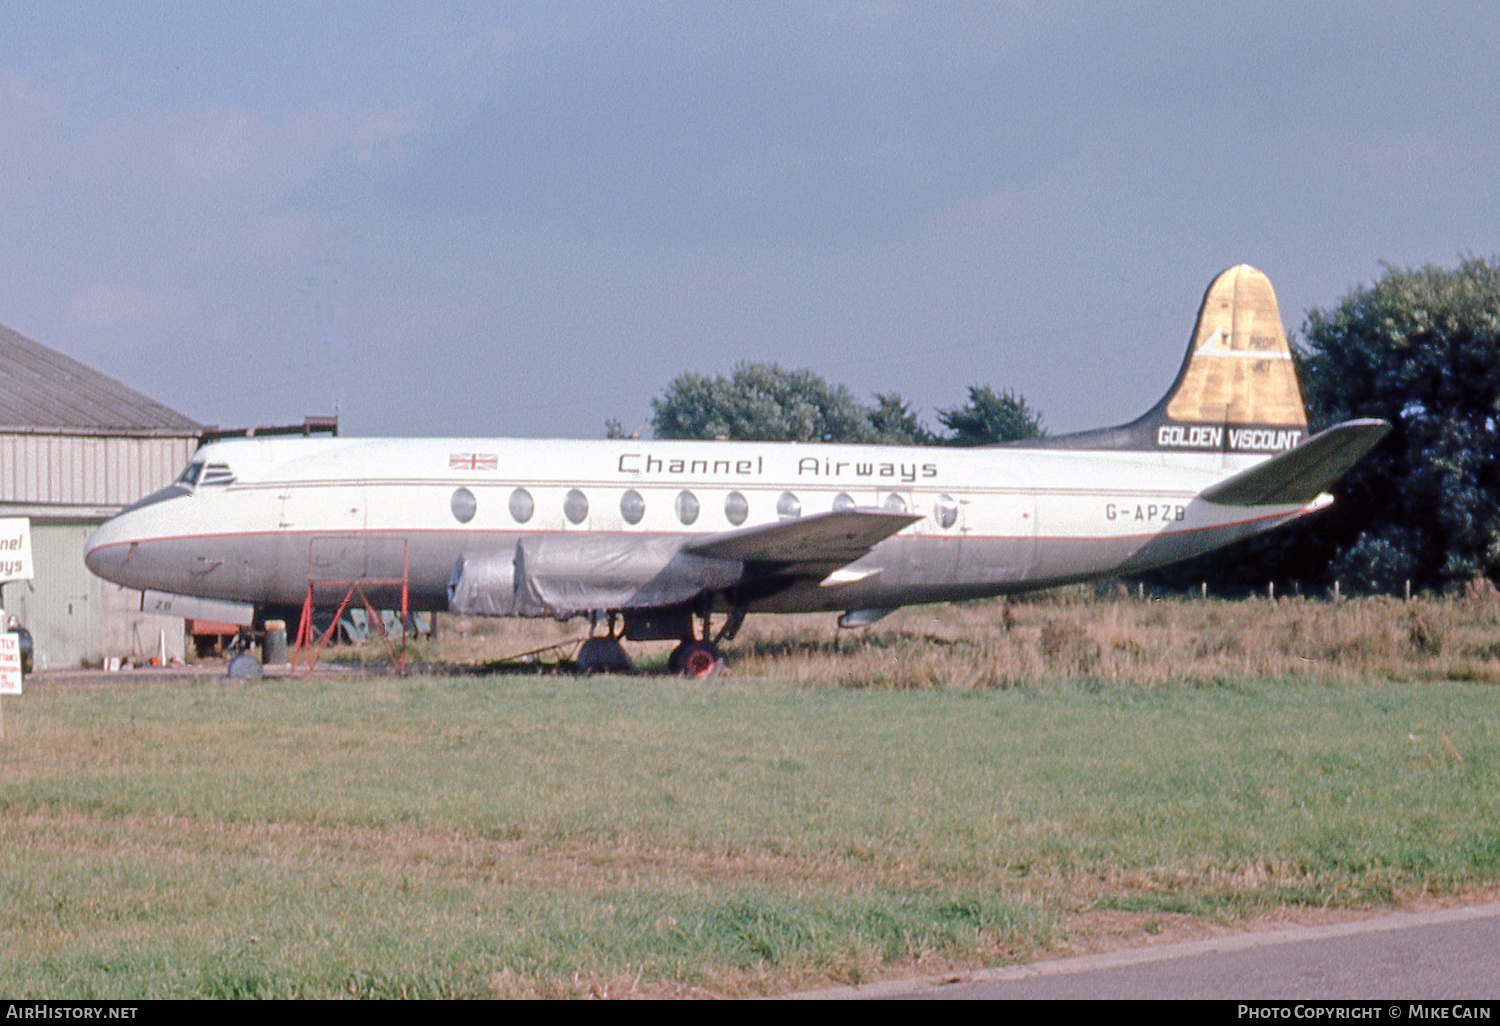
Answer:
(1238, 368)
(1237, 390)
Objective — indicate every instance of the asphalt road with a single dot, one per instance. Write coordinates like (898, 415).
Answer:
(1448, 954)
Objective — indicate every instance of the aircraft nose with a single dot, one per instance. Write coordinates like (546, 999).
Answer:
(111, 552)
(108, 548)
(104, 552)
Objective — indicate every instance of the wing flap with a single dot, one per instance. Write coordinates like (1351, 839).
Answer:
(1298, 477)
(820, 539)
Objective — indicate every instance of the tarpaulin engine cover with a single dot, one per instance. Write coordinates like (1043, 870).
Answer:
(563, 575)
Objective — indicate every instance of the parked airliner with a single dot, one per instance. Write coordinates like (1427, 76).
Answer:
(654, 539)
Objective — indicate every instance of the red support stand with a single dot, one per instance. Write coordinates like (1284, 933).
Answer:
(309, 640)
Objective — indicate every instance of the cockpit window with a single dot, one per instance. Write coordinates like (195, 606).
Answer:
(200, 473)
(217, 474)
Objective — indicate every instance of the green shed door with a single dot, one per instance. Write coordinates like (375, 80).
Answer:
(61, 607)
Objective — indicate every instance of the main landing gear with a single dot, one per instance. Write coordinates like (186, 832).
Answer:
(694, 656)
(700, 657)
(696, 659)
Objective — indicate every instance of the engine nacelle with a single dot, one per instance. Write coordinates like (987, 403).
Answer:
(570, 574)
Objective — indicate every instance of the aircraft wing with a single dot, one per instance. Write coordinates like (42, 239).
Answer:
(1301, 475)
(821, 539)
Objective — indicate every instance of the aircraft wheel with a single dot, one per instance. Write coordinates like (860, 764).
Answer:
(244, 667)
(696, 659)
(603, 655)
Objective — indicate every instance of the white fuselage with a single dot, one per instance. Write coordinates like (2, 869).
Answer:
(264, 516)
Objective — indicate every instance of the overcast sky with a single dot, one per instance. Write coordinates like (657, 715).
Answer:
(484, 218)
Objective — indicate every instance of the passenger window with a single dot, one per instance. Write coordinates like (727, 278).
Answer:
(464, 505)
(687, 507)
(788, 507)
(576, 506)
(945, 511)
(895, 503)
(632, 507)
(843, 501)
(736, 509)
(521, 506)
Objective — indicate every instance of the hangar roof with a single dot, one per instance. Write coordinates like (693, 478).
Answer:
(42, 390)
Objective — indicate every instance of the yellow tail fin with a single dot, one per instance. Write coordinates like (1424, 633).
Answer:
(1239, 367)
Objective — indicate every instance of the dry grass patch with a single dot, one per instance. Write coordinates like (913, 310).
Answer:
(1069, 634)
(1066, 634)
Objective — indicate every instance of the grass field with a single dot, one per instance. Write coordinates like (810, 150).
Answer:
(835, 810)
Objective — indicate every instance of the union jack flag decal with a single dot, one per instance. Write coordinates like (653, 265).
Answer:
(473, 461)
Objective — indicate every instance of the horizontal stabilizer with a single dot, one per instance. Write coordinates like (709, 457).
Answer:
(822, 538)
(1298, 477)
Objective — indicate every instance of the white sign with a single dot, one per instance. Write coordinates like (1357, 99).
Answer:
(15, 549)
(10, 664)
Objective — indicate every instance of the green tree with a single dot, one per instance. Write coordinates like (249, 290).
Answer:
(767, 402)
(761, 402)
(895, 423)
(991, 417)
(1421, 349)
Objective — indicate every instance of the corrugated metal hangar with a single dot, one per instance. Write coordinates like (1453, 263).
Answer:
(75, 447)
